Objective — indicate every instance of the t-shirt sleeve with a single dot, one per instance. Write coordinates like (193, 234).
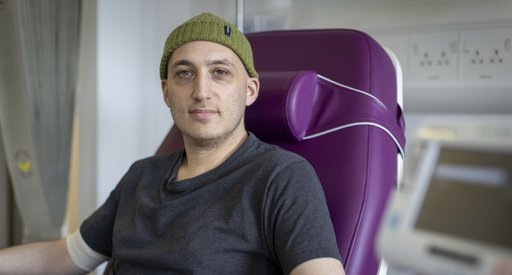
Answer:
(97, 229)
(297, 219)
(81, 254)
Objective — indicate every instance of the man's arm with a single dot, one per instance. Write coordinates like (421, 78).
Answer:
(38, 258)
(320, 266)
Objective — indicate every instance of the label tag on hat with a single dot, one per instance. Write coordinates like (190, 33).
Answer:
(227, 30)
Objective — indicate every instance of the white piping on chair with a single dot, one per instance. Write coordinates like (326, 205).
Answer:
(353, 89)
(363, 123)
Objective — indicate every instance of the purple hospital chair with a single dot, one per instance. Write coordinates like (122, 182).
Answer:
(331, 96)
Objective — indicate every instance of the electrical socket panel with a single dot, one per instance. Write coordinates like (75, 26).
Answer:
(486, 54)
(433, 56)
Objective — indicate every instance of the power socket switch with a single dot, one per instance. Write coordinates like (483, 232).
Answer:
(486, 54)
(433, 56)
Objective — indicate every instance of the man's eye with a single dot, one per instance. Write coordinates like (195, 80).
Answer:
(220, 72)
(184, 73)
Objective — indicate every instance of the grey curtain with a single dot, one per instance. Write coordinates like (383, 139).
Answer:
(45, 45)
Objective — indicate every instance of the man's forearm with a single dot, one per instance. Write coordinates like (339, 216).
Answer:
(38, 258)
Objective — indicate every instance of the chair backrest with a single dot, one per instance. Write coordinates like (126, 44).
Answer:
(331, 96)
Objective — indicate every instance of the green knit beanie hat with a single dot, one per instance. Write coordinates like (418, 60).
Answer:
(208, 27)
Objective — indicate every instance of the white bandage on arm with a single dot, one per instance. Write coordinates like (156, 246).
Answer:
(82, 255)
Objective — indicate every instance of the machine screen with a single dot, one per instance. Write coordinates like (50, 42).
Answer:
(470, 197)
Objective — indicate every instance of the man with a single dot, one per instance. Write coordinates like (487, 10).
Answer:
(226, 204)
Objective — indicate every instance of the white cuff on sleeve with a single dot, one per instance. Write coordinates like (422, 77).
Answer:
(82, 255)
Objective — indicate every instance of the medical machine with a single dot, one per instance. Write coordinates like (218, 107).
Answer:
(456, 215)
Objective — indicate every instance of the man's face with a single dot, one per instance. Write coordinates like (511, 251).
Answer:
(207, 90)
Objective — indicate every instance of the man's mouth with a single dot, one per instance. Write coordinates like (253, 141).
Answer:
(201, 113)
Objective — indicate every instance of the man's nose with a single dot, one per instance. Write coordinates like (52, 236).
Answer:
(202, 88)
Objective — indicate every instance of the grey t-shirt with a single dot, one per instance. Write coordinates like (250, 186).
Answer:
(262, 211)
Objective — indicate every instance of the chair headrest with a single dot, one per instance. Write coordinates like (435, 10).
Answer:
(284, 106)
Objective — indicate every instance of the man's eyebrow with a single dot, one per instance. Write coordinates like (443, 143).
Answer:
(182, 62)
(185, 62)
(223, 61)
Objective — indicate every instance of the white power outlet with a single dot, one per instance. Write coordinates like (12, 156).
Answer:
(486, 54)
(433, 56)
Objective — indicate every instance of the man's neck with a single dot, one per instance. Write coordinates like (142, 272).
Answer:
(203, 157)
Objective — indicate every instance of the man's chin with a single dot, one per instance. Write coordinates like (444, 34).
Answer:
(203, 138)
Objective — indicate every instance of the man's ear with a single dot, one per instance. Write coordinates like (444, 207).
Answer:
(165, 88)
(253, 89)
